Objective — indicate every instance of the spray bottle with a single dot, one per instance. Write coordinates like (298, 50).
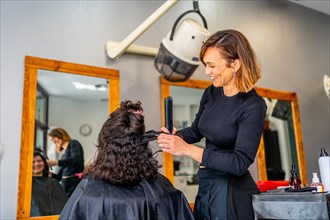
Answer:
(316, 183)
(324, 165)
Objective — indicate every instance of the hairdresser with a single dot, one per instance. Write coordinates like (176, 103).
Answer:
(231, 118)
(72, 162)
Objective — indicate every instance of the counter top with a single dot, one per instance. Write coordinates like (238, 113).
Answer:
(292, 205)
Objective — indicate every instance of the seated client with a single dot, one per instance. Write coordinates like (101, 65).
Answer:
(123, 182)
(48, 196)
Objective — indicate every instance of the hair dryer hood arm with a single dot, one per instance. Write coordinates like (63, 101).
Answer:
(177, 59)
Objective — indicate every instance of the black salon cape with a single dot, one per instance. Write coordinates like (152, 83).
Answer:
(96, 199)
(48, 196)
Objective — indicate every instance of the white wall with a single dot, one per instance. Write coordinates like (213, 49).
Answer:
(291, 41)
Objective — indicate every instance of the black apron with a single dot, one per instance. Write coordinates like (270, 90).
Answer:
(222, 196)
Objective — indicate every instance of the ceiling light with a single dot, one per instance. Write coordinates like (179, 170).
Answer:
(79, 85)
(98, 87)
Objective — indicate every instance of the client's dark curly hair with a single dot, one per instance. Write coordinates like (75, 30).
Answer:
(123, 153)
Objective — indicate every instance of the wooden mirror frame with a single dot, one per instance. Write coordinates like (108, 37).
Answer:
(32, 65)
(261, 161)
(164, 92)
(293, 99)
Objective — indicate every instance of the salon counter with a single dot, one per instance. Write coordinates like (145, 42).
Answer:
(292, 205)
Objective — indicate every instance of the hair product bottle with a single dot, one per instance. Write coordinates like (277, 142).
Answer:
(324, 166)
(294, 179)
(316, 183)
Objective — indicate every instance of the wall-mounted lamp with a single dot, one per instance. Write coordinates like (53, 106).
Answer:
(178, 55)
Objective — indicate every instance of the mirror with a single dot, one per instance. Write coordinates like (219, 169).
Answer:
(68, 101)
(284, 119)
(283, 124)
(181, 171)
(39, 72)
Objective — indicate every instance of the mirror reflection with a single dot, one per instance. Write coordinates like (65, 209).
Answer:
(181, 171)
(279, 140)
(48, 195)
(75, 97)
(185, 107)
(66, 101)
(76, 103)
(281, 145)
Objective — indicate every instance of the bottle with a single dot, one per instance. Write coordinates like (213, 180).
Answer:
(295, 181)
(324, 166)
(316, 183)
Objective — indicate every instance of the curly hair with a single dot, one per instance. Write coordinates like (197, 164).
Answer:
(123, 153)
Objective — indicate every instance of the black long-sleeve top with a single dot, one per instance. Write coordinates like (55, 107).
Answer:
(232, 127)
(72, 161)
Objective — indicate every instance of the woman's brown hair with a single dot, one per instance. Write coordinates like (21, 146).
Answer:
(234, 45)
(60, 133)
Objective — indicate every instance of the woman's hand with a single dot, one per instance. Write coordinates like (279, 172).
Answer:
(173, 144)
(164, 129)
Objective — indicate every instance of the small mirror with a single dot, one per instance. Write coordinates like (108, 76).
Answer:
(45, 104)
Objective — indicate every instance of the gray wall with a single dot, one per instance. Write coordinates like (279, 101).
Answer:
(292, 43)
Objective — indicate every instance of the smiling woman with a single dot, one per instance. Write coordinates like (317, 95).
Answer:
(39, 71)
(178, 169)
(48, 196)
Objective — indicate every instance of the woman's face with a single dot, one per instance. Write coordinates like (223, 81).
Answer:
(216, 68)
(38, 166)
(57, 141)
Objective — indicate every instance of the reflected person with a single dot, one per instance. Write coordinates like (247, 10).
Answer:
(123, 182)
(231, 118)
(48, 196)
(72, 161)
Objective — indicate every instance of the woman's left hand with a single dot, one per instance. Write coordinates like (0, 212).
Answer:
(173, 144)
